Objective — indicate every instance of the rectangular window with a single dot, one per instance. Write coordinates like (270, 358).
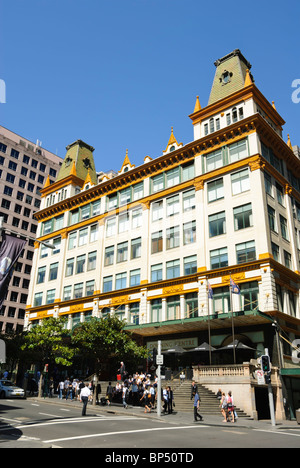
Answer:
(156, 310)
(156, 242)
(173, 269)
(190, 265)
(136, 248)
(214, 160)
(67, 294)
(125, 196)
(136, 218)
(238, 151)
(80, 264)
(138, 191)
(70, 267)
(94, 233)
(218, 258)
(189, 200)
(41, 275)
(173, 237)
(157, 210)
(83, 237)
(38, 299)
(78, 290)
(275, 252)
(173, 308)
(53, 271)
(96, 208)
(272, 219)
(240, 182)
(284, 228)
(173, 177)
(156, 272)
(245, 252)
(123, 223)
(107, 284)
(191, 305)
(90, 288)
(188, 171)
(50, 296)
(158, 183)
(215, 190)
(189, 233)
(122, 252)
(85, 212)
(92, 261)
(109, 255)
(111, 227)
(287, 259)
(242, 217)
(121, 280)
(135, 277)
(221, 301)
(173, 205)
(217, 224)
(111, 202)
(72, 243)
(268, 184)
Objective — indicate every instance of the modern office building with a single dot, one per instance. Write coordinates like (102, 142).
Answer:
(24, 169)
(200, 244)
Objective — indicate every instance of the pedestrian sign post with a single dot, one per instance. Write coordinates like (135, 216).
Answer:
(260, 377)
(159, 360)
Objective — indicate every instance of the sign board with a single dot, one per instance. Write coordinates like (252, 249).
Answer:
(159, 360)
(260, 377)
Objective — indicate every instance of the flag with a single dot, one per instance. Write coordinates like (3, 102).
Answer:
(234, 287)
(210, 291)
(10, 250)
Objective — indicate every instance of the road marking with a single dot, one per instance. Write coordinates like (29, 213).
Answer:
(50, 415)
(277, 432)
(234, 432)
(32, 404)
(13, 420)
(137, 431)
(67, 410)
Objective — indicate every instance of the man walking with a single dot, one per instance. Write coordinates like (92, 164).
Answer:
(196, 407)
(85, 394)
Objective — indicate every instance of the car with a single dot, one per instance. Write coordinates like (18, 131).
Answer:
(9, 390)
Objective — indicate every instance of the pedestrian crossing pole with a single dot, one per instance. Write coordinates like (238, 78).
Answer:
(158, 360)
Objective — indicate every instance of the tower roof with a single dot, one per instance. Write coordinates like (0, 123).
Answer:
(79, 162)
(232, 74)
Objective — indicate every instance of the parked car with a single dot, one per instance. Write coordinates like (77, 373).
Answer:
(10, 390)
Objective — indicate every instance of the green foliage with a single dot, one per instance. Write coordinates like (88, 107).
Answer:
(48, 342)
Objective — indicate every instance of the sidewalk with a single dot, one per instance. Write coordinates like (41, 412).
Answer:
(174, 418)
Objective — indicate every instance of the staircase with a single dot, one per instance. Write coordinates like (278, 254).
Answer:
(208, 405)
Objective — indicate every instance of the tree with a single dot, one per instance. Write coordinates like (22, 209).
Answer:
(48, 343)
(105, 338)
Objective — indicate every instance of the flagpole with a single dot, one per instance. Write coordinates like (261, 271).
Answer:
(232, 322)
(209, 330)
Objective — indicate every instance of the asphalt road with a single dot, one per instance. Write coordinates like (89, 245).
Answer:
(37, 424)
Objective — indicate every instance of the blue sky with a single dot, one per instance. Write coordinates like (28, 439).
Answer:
(119, 74)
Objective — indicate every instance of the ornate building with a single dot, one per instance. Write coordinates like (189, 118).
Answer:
(158, 244)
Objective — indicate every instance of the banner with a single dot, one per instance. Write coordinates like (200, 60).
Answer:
(234, 287)
(10, 250)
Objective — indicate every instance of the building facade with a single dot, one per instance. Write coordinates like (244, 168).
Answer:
(24, 169)
(161, 244)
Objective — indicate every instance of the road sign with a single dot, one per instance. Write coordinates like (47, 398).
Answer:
(159, 360)
(260, 377)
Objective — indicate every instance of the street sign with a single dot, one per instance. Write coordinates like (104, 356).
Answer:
(159, 360)
(260, 377)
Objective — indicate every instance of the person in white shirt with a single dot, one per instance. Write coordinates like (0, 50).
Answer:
(85, 394)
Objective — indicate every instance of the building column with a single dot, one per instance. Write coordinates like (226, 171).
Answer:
(182, 307)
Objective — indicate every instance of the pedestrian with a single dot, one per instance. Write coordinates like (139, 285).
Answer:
(223, 406)
(194, 389)
(170, 400)
(109, 393)
(230, 406)
(60, 389)
(196, 407)
(165, 399)
(70, 391)
(122, 371)
(146, 400)
(51, 387)
(85, 394)
(124, 396)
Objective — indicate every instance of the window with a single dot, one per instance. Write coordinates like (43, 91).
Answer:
(284, 228)
(218, 258)
(173, 237)
(138, 191)
(136, 218)
(156, 272)
(242, 217)
(275, 252)
(188, 171)
(221, 301)
(214, 160)
(107, 284)
(156, 310)
(125, 196)
(217, 224)
(173, 269)
(109, 255)
(238, 151)
(50, 298)
(80, 264)
(272, 219)
(189, 233)
(38, 299)
(280, 194)
(41, 275)
(158, 183)
(136, 248)
(96, 208)
(67, 294)
(90, 288)
(190, 265)
(191, 305)
(215, 190)
(245, 252)
(157, 210)
(173, 177)
(135, 277)
(268, 184)
(122, 252)
(53, 271)
(92, 261)
(249, 296)
(189, 201)
(83, 237)
(85, 212)
(156, 242)
(72, 244)
(173, 205)
(121, 280)
(123, 223)
(173, 308)
(240, 182)
(287, 259)
(94, 233)
(111, 227)
(134, 313)
(78, 290)
(70, 267)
